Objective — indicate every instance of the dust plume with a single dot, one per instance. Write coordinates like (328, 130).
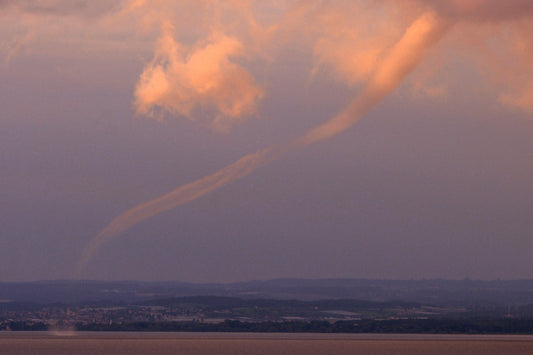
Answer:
(401, 59)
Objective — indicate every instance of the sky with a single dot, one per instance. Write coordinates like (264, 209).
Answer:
(221, 141)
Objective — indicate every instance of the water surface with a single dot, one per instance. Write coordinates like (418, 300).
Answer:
(254, 343)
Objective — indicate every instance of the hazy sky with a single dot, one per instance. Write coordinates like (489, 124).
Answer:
(236, 140)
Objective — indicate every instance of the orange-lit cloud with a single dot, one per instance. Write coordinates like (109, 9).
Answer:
(352, 37)
(201, 83)
(482, 10)
(64, 28)
(347, 38)
(199, 67)
(496, 36)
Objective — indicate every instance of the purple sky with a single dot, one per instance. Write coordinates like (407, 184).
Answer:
(99, 115)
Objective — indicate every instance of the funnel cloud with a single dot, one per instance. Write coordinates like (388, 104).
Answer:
(402, 59)
(209, 73)
(110, 103)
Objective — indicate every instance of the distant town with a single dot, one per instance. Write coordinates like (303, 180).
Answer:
(434, 306)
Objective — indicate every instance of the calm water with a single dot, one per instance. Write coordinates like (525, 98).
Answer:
(239, 343)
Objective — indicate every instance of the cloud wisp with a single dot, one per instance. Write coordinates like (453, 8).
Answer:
(78, 8)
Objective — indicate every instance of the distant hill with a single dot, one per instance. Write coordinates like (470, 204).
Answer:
(437, 291)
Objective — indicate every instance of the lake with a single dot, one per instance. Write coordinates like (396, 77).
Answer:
(254, 343)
